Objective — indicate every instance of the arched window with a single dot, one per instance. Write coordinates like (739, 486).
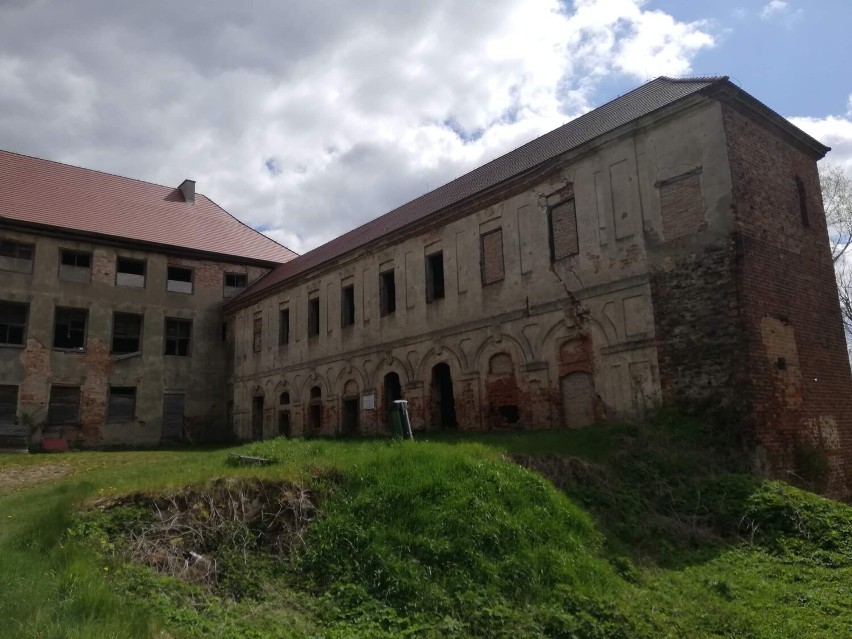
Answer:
(284, 399)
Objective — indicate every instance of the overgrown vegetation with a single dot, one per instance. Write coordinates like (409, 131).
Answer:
(624, 531)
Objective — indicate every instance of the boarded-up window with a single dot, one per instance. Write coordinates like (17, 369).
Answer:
(129, 272)
(122, 403)
(681, 206)
(15, 256)
(491, 256)
(257, 333)
(8, 403)
(179, 279)
(563, 230)
(64, 407)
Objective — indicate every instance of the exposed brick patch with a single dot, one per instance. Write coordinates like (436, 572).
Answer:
(682, 207)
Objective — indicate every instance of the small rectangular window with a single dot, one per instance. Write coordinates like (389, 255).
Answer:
(179, 280)
(234, 283)
(562, 220)
(122, 403)
(15, 256)
(491, 256)
(178, 337)
(80, 259)
(284, 326)
(435, 276)
(126, 333)
(69, 328)
(236, 280)
(13, 323)
(347, 305)
(75, 266)
(129, 272)
(64, 406)
(257, 333)
(313, 317)
(387, 292)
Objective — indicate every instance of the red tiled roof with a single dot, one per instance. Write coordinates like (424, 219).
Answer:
(637, 103)
(42, 192)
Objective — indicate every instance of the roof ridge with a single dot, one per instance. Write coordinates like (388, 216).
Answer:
(85, 168)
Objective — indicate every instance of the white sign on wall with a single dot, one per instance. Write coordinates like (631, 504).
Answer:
(368, 401)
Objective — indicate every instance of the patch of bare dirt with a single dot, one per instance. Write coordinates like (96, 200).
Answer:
(13, 479)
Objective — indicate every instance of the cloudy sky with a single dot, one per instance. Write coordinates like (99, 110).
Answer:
(307, 118)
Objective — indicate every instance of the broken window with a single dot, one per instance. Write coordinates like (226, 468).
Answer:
(69, 329)
(64, 407)
(491, 256)
(122, 403)
(434, 276)
(129, 272)
(257, 333)
(13, 323)
(562, 220)
(75, 266)
(126, 333)
(284, 326)
(179, 280)
(347, 306)
(313, 317)
(387, 292)
(15, 256)
(178, 334)
(234, 283)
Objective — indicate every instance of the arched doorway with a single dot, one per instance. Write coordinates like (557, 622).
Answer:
(349, 409)
(443, 400)
(392, 391)
(257, 417)
(314, 412)
(284, 428)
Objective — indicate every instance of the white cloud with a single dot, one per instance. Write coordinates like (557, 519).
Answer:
(774, 8)
(307, 119)
(834, 131)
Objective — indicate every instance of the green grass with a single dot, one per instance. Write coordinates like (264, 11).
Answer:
(629, 531)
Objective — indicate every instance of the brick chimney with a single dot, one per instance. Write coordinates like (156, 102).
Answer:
(187, 187)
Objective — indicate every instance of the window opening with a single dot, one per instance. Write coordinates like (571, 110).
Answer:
(347, 305)
(313, 317)
(13, 323)
(387, 292)
(69, 329)
(434, 276)
(126, 332)
(122, 403)
(178, 336)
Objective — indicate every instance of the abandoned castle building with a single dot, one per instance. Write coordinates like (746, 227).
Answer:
(111, 328)
(668, 245)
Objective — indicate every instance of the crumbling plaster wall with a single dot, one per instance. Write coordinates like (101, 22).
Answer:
(597, 302)
(37, 366)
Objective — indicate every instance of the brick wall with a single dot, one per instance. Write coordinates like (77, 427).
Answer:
(798, 368)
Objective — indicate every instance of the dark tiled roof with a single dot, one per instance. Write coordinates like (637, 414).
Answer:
(41, 192)
(624, 109)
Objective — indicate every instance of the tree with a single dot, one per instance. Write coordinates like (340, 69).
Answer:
(837, 200)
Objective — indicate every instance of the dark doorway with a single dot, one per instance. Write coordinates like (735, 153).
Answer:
(349, 421)
(314, 412)
(392, 392)
(257, 417)
(443, 401)
(12, 434)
